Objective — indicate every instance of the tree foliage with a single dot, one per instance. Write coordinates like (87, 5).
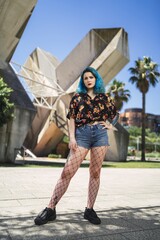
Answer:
(119, 93)
(136, 131)
(151, 138)
(6, 107)
(144, 74)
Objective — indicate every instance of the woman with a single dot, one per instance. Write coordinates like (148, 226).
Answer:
(89, 110)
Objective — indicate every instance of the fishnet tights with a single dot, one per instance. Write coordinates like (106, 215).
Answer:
(97, 157)
(71, 167)
(68, 172)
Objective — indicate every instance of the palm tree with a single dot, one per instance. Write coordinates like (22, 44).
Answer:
(119, 94)
(144, 74)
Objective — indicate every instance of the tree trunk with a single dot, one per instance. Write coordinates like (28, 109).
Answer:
(143, 126)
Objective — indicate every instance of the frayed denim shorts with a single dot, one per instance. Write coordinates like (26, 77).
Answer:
(89, 136)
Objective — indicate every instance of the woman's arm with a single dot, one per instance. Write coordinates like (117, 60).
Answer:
(72, 139)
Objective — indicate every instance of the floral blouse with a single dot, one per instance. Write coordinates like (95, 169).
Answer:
(84, 109)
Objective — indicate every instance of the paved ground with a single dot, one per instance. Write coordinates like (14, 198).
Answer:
(128, 205)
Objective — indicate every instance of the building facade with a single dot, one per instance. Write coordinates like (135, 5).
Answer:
(133, 116)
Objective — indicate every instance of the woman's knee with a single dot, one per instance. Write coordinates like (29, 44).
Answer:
(95, 174)
(66, 174)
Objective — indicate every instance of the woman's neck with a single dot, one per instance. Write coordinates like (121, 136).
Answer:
(91, 93)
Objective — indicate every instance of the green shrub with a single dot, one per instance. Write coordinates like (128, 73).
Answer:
(54, 155)
(6, 107)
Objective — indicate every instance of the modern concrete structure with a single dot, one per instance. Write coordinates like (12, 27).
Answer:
(14, 15)
(118, 144)
(50, 84)
(104, 49)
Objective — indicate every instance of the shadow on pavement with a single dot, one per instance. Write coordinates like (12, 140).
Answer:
(117, 224)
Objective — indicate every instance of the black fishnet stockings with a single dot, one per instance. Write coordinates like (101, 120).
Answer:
(68, 172)
(97, 157)
(71, 167)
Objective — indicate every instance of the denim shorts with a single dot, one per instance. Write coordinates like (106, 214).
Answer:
(89, 136)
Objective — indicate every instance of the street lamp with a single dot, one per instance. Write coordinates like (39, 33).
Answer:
(138, 144)
(155, 146)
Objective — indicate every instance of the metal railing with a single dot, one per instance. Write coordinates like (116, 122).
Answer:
(34, 83)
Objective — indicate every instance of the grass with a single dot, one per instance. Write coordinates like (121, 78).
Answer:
(129, 164)
(135, 164)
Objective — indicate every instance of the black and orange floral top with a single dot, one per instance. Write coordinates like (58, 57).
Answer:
(84, 109)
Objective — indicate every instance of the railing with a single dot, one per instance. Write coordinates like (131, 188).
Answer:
(34, 83)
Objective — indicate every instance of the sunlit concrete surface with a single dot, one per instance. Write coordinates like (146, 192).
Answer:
(14, 16)
(104, 49)
(127, 203)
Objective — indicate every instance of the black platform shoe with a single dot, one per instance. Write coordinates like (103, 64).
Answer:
(91, 216)
(45, 216)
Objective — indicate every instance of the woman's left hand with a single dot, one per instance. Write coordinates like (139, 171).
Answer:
(106, 125)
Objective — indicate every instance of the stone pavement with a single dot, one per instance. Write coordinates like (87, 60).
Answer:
(128, 204)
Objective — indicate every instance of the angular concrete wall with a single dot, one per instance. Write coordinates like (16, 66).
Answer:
(118, 148)
(49, 140)
(14, 16)
(13, 134)
(45, 64)
(104, 49)
(43, 73)
(36, 127)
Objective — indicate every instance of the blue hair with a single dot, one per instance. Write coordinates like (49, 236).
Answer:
(99, 85)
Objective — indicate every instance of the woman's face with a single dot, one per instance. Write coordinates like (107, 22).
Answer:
(89, 80)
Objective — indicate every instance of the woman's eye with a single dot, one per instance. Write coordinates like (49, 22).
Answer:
(90, 77)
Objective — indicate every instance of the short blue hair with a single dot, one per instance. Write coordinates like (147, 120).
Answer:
(99, 86)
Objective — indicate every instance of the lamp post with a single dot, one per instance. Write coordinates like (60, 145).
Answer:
(155, 147)
(138, 144)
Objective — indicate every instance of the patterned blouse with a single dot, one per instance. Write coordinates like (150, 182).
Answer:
(84, 109)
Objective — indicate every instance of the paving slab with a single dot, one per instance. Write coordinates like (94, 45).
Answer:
(128, 205)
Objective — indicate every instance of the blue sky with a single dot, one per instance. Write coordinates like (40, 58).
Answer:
(57, 26)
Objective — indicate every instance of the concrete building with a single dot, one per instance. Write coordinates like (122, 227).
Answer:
(133, 116)
(42, 100)
(104, 49)
(14, 15)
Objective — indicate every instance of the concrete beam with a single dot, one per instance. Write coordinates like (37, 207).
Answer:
(104, 49)
(14, 16)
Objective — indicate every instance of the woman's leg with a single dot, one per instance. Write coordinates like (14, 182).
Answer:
(68, 172)
(97, 157)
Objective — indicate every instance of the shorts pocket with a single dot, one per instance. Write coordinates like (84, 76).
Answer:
(79, 130)
(99, 126)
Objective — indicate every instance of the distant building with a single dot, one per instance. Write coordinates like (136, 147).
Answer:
(133, 116)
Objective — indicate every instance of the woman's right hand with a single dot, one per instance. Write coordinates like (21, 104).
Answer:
(73, 144)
